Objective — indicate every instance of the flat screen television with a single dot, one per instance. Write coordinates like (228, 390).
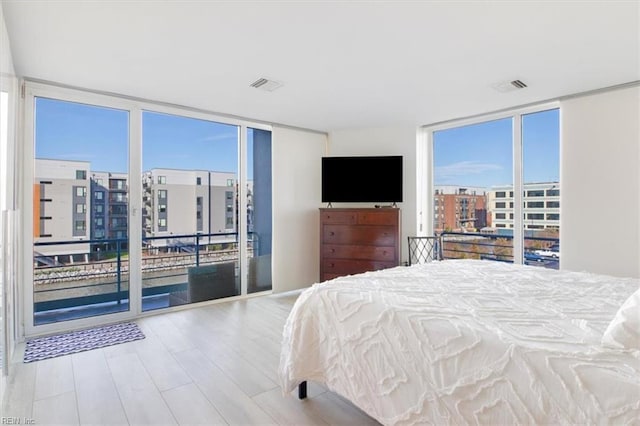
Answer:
(362, 179)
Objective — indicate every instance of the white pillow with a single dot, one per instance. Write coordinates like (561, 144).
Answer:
(624, 330)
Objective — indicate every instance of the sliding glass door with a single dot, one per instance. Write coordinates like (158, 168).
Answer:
(80, 211)
(132, 207)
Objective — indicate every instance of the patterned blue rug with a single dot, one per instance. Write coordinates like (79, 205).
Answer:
(82, 340)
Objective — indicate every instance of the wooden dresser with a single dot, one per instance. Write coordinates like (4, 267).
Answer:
(358, 240)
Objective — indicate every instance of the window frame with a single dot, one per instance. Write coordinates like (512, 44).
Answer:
(135, 108)
(426, 178)
(81, 191)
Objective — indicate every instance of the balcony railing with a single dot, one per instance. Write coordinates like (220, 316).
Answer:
(538, 251)
(91, 277)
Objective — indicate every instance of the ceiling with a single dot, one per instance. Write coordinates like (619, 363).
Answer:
(343, 64)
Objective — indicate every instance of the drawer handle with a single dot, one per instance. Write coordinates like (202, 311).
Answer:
(332, 233)
(333, 250)
(333, 265)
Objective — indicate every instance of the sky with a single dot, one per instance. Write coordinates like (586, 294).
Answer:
(481, 155)
(477, 155)
(72, 131)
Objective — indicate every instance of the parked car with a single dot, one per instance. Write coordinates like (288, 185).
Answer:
(553, 251)
(532, 257)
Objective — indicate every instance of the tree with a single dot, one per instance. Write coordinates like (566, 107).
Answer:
(502, 250)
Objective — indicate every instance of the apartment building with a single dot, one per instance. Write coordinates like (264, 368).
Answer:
(459, 208)
(185, 202)
(61, 205)
(109, 208)
(71, 202)
(541, 206)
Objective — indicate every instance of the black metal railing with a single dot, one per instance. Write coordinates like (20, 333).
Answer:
(538, 250)
(95, 271)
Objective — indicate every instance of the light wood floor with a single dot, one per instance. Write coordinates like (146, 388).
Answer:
(209, 365)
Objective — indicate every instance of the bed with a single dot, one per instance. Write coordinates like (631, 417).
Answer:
(469, 342)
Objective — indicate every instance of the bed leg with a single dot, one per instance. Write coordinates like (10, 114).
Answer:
(302, 390)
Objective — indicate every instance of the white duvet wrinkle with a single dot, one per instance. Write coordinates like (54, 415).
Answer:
(588, 389)
(600, 390)
(536, 332)
(497, 412)
(434, 333)
(489, 393)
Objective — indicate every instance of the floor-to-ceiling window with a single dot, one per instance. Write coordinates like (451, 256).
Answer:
(189, 217)
(541, 187)
(4, 133)
(8, 222)
(471, 162)
(258, 215)
(495, 187)
(135, 206)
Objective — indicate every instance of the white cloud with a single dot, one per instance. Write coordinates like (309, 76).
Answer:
(219, 137)
(464, 168)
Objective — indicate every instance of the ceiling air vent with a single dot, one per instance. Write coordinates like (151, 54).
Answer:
(509, 86)
(266, 84)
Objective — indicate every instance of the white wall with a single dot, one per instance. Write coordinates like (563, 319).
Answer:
(600, 159)
(6, 60)
(385, 141)
(296, 199)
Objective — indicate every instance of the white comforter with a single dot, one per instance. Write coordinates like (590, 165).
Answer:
(466, 342)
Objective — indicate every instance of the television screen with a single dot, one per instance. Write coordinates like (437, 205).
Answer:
(362, 179)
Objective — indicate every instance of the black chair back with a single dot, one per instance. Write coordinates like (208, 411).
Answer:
(424, 249)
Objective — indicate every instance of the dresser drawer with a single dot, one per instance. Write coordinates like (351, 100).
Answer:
(336, 251)
(359, 235)
(338, 217)
(350, 267)
(379, 217)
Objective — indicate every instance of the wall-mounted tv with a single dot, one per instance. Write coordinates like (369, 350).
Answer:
(362, 179)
